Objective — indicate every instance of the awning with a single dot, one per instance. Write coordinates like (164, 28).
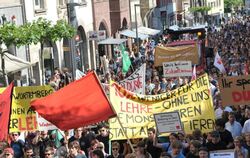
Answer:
(132, 34)
(13, 63)
(148, 31)
(112, 41)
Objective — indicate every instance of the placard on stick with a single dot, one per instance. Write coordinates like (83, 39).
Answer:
(168, 122)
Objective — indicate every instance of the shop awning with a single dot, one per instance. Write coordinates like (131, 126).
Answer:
(13, 63)
(132, 34)
(148, 31)
(112, 41)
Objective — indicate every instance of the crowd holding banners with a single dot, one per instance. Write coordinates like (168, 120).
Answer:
(193, 101)
(222, 41)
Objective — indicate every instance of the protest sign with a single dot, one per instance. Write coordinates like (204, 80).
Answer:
(136, 81)
(177, 68)
(180, 53)
(221, 154)
(235, 90)
(43, 124)
(192, 101)
(168, 122)
(23, 118)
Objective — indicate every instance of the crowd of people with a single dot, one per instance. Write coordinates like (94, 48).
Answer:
(232, 124)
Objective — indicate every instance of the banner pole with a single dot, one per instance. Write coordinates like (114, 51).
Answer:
(111, 105)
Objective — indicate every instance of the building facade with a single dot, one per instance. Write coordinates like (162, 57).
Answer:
(111, 16)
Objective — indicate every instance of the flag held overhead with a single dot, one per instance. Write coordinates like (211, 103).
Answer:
(5, 109)
(80, 103)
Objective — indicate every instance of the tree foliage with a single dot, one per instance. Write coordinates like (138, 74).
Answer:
(229, 4)
(201, 9)
(39, 31)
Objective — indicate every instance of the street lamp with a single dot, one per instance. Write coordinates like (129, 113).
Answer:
(136, 27)
(73, 21)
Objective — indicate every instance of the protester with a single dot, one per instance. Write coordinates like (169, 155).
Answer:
(8, 153)
(97, 154)
(239, 150)
(153, 150)
(141, 151)
(203, 152)
(115, 151)
(75, 150)
(103, 136)
(17, 145)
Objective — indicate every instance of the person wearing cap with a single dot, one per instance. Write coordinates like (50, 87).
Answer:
(8, 153)
(216, 143)
(225, 135)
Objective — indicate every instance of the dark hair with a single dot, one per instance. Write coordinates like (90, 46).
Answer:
(151, 129)
(101, 125)
(220, 122)
(28, 147)
(203, 149)
(175, 135)
(98, 153)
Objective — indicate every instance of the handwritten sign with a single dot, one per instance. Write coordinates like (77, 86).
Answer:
(235, 90)
(168, 122)
(177, 68)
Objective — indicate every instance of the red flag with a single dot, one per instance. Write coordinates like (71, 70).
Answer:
(80, 103)
(5, 109)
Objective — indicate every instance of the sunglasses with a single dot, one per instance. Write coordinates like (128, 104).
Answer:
(114, 148)
(7, 154)
(99, 147)
(15, 134)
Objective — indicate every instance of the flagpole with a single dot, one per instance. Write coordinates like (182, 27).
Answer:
(119, 121)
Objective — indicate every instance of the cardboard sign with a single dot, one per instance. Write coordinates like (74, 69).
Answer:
(136, 112)
(221, 154)
(235, 90)
(177, 68)
(168, 122)
(180, 53)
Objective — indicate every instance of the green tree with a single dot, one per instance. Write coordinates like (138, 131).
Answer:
(44, 32)
(230, 4)
(40, 31)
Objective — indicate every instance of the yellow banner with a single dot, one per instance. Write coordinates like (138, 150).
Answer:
(23, 118)
(180, 53)
(192, 101)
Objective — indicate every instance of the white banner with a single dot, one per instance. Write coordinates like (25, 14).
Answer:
(136, 81)
(44, 125)
(177, 68)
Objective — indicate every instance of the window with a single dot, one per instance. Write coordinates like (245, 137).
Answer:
(62, 2)
(39, 4)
